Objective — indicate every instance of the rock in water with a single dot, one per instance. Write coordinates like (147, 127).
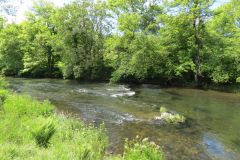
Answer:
(170, 117)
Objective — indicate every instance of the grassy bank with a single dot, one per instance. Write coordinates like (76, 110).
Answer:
(31, 130)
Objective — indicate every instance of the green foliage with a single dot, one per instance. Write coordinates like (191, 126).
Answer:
(135, 41)
(238, 80)
(3, 89)
(3, 83)
(25, 105)
(3, 95)
(44, 133)
(80, 40)
(39, 34)
(186, 47)
(10, 50)
(143, 150)
(223, 64)
(136, 53)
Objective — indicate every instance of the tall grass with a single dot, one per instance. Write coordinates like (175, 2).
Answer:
(25, 105)
(3, 83)
(142, 150)
(138, 149)
(3, 90)
(32, 131)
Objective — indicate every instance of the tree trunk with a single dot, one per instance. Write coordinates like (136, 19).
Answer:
(197, 24)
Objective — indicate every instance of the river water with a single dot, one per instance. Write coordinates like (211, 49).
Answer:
(213, 118)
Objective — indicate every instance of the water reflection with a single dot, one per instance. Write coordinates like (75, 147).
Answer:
(215, 148)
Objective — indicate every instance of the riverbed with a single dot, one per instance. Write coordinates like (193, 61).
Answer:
(212, 130)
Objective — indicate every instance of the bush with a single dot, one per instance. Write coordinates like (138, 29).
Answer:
(44, 133)
(143, 150)
(3, 95)
(25, 105)
(3, 92)
(3, 83)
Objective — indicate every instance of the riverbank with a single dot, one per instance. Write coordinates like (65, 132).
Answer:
(32, 130)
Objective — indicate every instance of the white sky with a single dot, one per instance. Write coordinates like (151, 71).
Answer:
(26, 5)
(23, 6)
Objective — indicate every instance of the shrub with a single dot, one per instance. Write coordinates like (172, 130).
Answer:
(3, 91)
(44, 133)
(3, 83)
(3, 94)
(25, 105)
(143, 150)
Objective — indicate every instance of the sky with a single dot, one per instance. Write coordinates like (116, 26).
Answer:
(219, 3)
(22, 6)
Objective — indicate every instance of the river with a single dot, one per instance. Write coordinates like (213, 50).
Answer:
(213, 118)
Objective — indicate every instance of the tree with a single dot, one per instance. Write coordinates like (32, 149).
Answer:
(81, 28)
(224, 64)
(184, 35)
(168, 42)
(134, 51)
(10, 50)
(40, 57)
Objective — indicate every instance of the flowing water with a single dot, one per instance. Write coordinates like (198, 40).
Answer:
(212, 130)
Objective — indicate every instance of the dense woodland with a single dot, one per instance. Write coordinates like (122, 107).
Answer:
(167, 42)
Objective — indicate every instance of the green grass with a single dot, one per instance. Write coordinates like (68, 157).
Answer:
(3, 83)
(142, 150)
(3, 95)
(25, 105)
(138, 149)
(26, 122)
(31, 130)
